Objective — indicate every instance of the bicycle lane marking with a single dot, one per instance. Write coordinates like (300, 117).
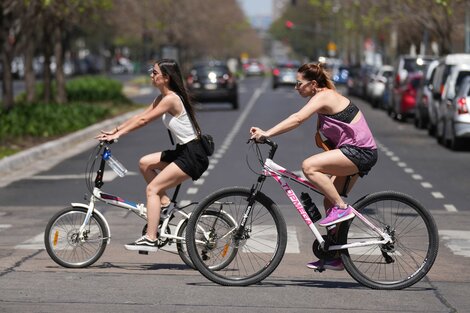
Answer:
(434, 193)
(219, 153)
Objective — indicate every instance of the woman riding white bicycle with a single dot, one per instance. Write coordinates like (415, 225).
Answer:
(188, 160)
(351, 149)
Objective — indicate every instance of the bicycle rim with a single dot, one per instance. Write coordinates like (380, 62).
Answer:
(62, 243)
(405, 261)
(247, 260)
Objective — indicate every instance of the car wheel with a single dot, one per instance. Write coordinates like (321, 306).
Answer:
(235, 104)
(455, 143)
(440, 132)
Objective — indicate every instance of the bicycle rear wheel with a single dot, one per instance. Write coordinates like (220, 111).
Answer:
(224, 222)
(253, 254)
(403, 262)
(62, 242)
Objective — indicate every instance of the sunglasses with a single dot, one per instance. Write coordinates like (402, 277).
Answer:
(153, 71)
(299, 84)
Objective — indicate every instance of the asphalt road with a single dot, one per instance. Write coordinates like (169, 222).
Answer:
(121, 281)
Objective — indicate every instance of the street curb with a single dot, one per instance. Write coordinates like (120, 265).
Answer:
(9, 166)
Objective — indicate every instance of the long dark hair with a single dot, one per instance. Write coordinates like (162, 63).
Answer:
(171, 69)
(317, 72)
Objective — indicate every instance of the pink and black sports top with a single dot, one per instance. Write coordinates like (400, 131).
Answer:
(339, 130)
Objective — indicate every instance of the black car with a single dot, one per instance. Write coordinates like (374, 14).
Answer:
(285, 73)
(213, 82)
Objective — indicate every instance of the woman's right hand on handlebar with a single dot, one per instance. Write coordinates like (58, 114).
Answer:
(258, 134)
(108, 136)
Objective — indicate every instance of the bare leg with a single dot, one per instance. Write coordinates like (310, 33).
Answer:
(149, 165)
(339, 182)
(169, 177)
(317, 168)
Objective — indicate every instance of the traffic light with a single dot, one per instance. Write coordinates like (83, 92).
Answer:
(289, 24)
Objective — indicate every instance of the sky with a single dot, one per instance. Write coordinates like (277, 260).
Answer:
(256, 7)
(259, 12)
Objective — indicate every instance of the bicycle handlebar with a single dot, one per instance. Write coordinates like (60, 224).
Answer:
(269, 142)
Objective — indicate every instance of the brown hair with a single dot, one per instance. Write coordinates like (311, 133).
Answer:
(170, 68)
(317, 72)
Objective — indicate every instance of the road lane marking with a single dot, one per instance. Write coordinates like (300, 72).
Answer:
(4, 226)
(108, 176)
(35, 243)
(458, 241)
(450, 208)
(415, 176)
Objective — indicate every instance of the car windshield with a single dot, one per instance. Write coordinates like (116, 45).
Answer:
(416, 64)
(205, 70)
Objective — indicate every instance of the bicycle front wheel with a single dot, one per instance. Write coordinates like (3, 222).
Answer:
(62, 242)
(404, 261)
(254, 252)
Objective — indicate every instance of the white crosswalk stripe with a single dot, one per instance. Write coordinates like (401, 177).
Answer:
(457, 241)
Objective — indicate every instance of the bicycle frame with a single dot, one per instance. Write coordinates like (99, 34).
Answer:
(279, 173)
(137, 208)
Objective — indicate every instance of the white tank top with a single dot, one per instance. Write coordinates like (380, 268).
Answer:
(180, 126)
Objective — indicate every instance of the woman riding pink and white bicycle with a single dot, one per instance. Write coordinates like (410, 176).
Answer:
(352, 150)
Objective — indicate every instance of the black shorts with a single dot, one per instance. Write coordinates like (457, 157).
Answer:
(363, 158)
(190, 158)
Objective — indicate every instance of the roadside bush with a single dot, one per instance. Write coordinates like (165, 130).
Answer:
(87, 89)
(95, 88)
(48, 119)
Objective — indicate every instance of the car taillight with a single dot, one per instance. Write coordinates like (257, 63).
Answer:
(276, 72)
(462, 106)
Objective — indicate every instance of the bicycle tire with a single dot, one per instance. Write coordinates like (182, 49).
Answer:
(62, 245)
(183, 251)
(392, 266)
(260, 250)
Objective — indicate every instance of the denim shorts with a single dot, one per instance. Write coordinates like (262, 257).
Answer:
(363, 158)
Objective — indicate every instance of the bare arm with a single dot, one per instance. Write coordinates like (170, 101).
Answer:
(154, 111)
(314, 105)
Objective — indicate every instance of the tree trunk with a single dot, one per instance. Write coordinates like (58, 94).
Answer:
(61, 95)
(7, 81)
(29, 75)
(48, 47)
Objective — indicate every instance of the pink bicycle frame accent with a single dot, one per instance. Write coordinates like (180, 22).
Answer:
(277, 172)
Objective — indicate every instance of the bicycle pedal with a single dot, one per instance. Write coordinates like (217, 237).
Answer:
(143, 252)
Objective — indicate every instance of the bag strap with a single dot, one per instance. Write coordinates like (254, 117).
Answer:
(193, 121)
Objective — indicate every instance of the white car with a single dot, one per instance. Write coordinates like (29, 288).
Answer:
(453, 117)
(376, 86)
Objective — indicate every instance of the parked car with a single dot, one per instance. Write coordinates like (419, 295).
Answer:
(453, 118)
(352, 80)
(285, 73)
(213, 82)
(439, 79)
(341, 75)
(377, 83)
(406, 66)
(253, 67)
(405, 97)
(424, 96)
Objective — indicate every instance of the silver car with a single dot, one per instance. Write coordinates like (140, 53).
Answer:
(453, 124)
